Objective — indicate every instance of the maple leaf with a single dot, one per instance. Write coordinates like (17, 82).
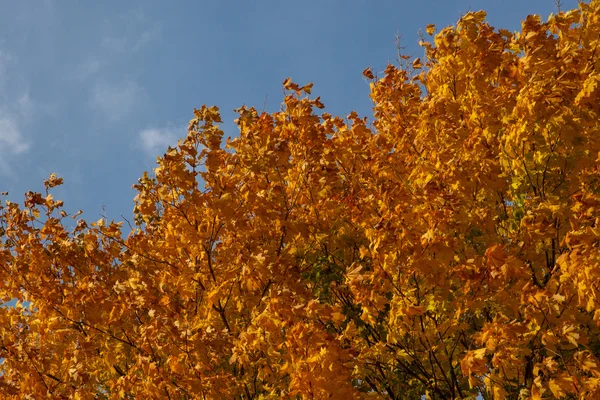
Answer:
(448, 249)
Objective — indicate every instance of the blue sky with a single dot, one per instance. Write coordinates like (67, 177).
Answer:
(95, 91)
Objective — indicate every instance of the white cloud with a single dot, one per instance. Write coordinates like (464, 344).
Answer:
(116, 100)
(25, 104)
(115, 43)
(11, 142)
(11, 139)
(132, 43)
(5, 60)
(87, 68)
(130, 32)
(156, 140)
(146, 37)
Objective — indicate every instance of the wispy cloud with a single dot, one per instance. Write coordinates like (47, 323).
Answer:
(25, 104)
(5, 60)
(87, 68)
(120, 37)
(11, 139)
(13, 110)
(146, 37)
(130, 32)
(130, 42)
(12, 142)
(116, 100)
(156, 140)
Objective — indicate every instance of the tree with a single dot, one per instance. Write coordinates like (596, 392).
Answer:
(450, 248)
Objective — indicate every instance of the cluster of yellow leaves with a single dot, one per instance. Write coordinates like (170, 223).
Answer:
(449, 249)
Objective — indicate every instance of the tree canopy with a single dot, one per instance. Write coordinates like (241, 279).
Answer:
(447, 249)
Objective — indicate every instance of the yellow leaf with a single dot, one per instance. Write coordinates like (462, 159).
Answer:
(413, 311)
(560, 386)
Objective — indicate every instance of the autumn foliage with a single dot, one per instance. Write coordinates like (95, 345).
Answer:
(448, 248)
